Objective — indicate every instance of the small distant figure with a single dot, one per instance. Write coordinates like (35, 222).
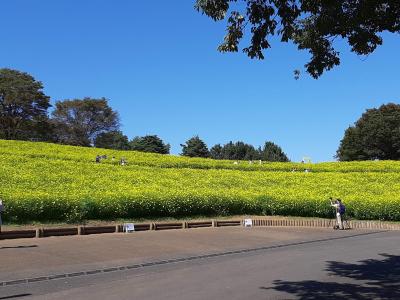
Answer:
(250, 162)
(100, 157)
(260, 162)
(123, 162)
(302, 161)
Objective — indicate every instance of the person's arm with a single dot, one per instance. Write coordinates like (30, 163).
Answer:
(334, 204)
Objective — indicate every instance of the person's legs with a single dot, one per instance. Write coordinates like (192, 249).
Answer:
(339, 220)
(344, 221)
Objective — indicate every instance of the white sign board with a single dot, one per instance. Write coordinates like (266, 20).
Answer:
(129, 227)
(248, 223)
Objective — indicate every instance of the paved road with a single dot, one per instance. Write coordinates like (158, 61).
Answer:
(280, 263)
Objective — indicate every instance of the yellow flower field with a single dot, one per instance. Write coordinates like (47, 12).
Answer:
(44, 182)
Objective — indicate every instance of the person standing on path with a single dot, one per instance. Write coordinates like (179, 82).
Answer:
(340, 210)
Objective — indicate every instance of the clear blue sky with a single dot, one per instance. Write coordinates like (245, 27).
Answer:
(156, 62)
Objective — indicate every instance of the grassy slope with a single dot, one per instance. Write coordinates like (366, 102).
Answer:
(41, 181)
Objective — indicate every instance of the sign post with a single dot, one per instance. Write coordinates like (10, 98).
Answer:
(248, 223)
(129, 227)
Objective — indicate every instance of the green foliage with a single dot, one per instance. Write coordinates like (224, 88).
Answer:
(239, 151)
(79, 121)
(243, 151)
(311, 25)
(235, 151)
(195, 147)
(42, 181)
(23, 106)
(112, 140)
(376, 135)
(272, 152)
(216, 152)
(149, 143)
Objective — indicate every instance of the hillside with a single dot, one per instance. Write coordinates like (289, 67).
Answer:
(41, 181)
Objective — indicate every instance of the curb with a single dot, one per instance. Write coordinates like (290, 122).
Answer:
(257, 222)
(324, 223)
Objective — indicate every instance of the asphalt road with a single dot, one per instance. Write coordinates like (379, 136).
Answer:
(318, 265)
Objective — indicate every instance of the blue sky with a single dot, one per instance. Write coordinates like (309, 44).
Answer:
(156, 62)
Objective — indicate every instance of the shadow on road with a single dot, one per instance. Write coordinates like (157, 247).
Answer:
(370, 279)
(18, 247)
(15, 296)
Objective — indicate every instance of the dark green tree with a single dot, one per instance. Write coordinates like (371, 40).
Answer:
(112, 140)
(241, 150)
(251, 153)
(235, 151)
(80, 121)
(311, 25)
(149, 143)
(272, 152)
(23, 106)
(195, 147)
(216, 152)
(229, 151)
(376, 135)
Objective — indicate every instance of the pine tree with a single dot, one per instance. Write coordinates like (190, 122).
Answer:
(149, 143)
(195, 147)
(272, 152)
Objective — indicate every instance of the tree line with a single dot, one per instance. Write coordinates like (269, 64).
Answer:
(195, 147)
(88, 122)
(92, 122)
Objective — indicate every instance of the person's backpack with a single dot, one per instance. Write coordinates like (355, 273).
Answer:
(342, 209)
